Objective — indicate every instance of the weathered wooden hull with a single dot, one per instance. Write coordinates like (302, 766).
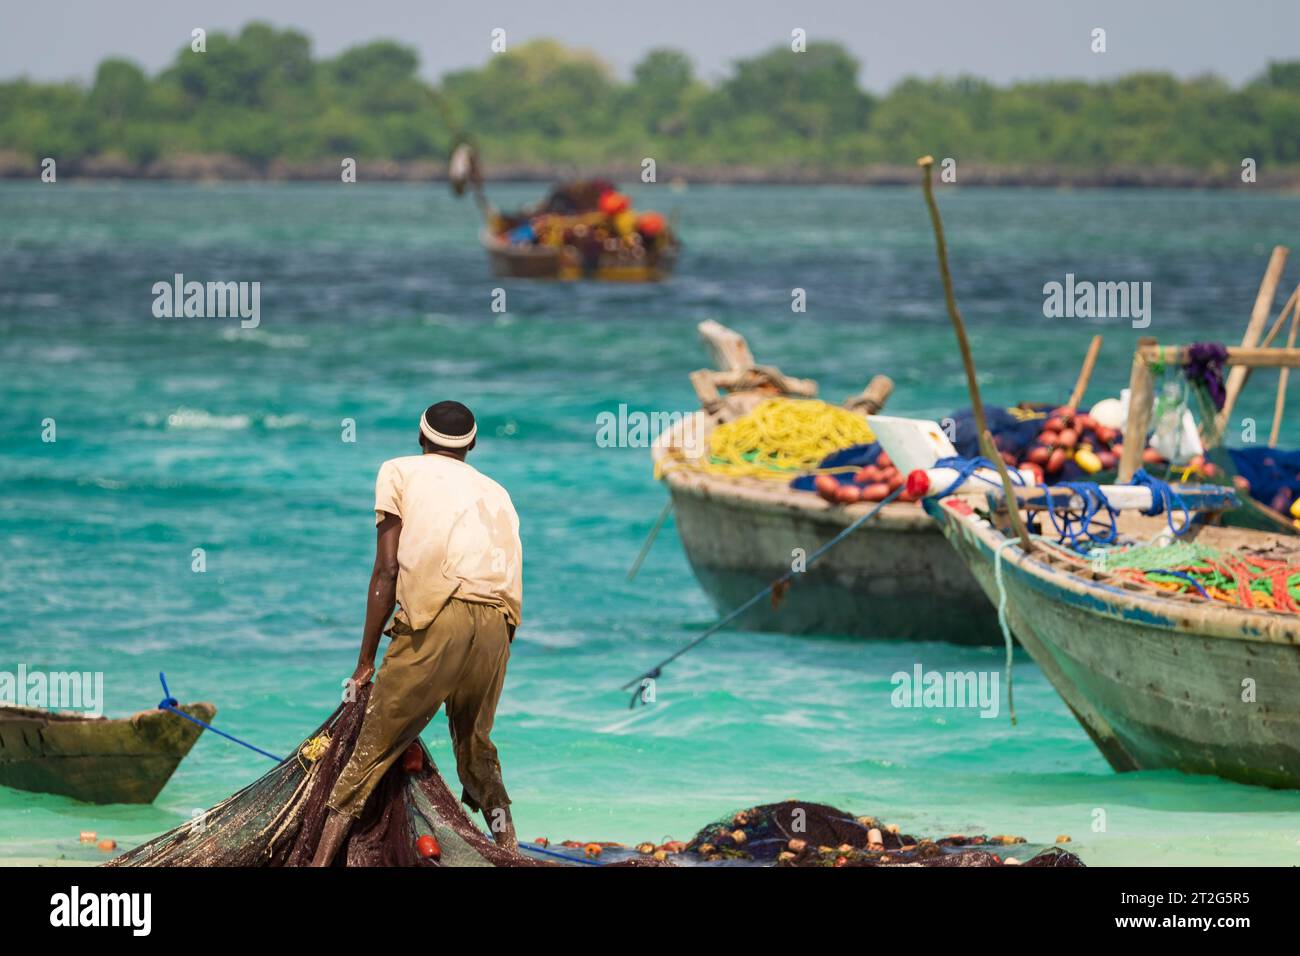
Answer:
(1156, 682)
(894, 578)
(514, 262)
(93, 759)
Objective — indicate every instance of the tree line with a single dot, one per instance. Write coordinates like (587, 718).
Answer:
(260, 95)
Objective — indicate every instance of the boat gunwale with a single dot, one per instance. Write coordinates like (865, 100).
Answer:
(1158, 611)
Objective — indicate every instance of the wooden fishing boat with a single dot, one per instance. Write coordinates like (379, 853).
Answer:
(895, 578)
(583, 229)
(96, 759)
(518, 261)
(1158, 678)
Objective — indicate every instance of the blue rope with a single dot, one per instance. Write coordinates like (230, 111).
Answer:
(966, 468)
(534, 848)
(654, 672)
(1164, 499)
(1078, 529)
(1185, 576)
(169, 703)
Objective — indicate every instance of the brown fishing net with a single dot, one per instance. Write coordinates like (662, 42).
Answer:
(793, 833)
(277, 819)
(413, 819)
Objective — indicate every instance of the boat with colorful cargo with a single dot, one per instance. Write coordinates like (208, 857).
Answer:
(741, 531)
(584, 229)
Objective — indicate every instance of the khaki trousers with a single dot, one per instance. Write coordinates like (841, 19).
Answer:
(458, 660)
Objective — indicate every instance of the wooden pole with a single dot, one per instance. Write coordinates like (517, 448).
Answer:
(1140, 391)
(963, 344)
(1085, 373)
(1254, 330)
(1279, 403)
(1281, 318)
(1237, 357)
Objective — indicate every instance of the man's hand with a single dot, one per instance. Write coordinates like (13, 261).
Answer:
(361, 676)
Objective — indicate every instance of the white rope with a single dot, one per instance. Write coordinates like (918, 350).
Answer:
(1002, 621)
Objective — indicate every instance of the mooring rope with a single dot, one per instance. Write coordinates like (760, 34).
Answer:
(657, 670)
(169, 703)
(1002, 622)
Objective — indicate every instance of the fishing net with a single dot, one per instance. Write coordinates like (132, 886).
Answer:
(1240, 578)
(794, 833)
(277, 819)
(783, 437)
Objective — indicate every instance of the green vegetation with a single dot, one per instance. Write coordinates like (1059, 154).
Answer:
(260, 96)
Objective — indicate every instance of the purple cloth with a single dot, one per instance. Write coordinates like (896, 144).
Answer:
(1205, 365)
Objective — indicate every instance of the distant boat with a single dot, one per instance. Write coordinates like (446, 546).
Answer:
(95, 759)
(583, 229)
(517, 261)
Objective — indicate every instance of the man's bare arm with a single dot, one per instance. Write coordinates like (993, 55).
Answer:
(382, 596)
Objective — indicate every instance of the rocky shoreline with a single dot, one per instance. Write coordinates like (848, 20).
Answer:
(220, 168)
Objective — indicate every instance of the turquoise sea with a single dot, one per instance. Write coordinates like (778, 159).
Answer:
(376, 300)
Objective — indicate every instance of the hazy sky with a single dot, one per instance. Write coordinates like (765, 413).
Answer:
(1001, 40)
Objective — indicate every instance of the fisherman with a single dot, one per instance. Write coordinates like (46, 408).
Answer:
(448, 552)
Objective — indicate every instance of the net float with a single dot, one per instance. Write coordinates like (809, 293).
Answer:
(878, 491)
(1088, 460)
(826, 486)
(428, 848)
(848, 494)
(1068, 438)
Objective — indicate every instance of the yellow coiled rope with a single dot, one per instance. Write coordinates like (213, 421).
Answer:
(784, 437)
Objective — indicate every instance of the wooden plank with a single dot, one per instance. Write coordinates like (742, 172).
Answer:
(726, 347)
(1085, 374)
(1237, 357)
(1254, 330)
(872, 398)
(1141, 388)
(1279, 403)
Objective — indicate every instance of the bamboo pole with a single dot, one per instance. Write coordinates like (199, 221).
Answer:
(963, 344)
(1279, 403)
(1281, 318)
(1254, 329)
(1140, 393)
(1237, 357)
(1085, 374)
